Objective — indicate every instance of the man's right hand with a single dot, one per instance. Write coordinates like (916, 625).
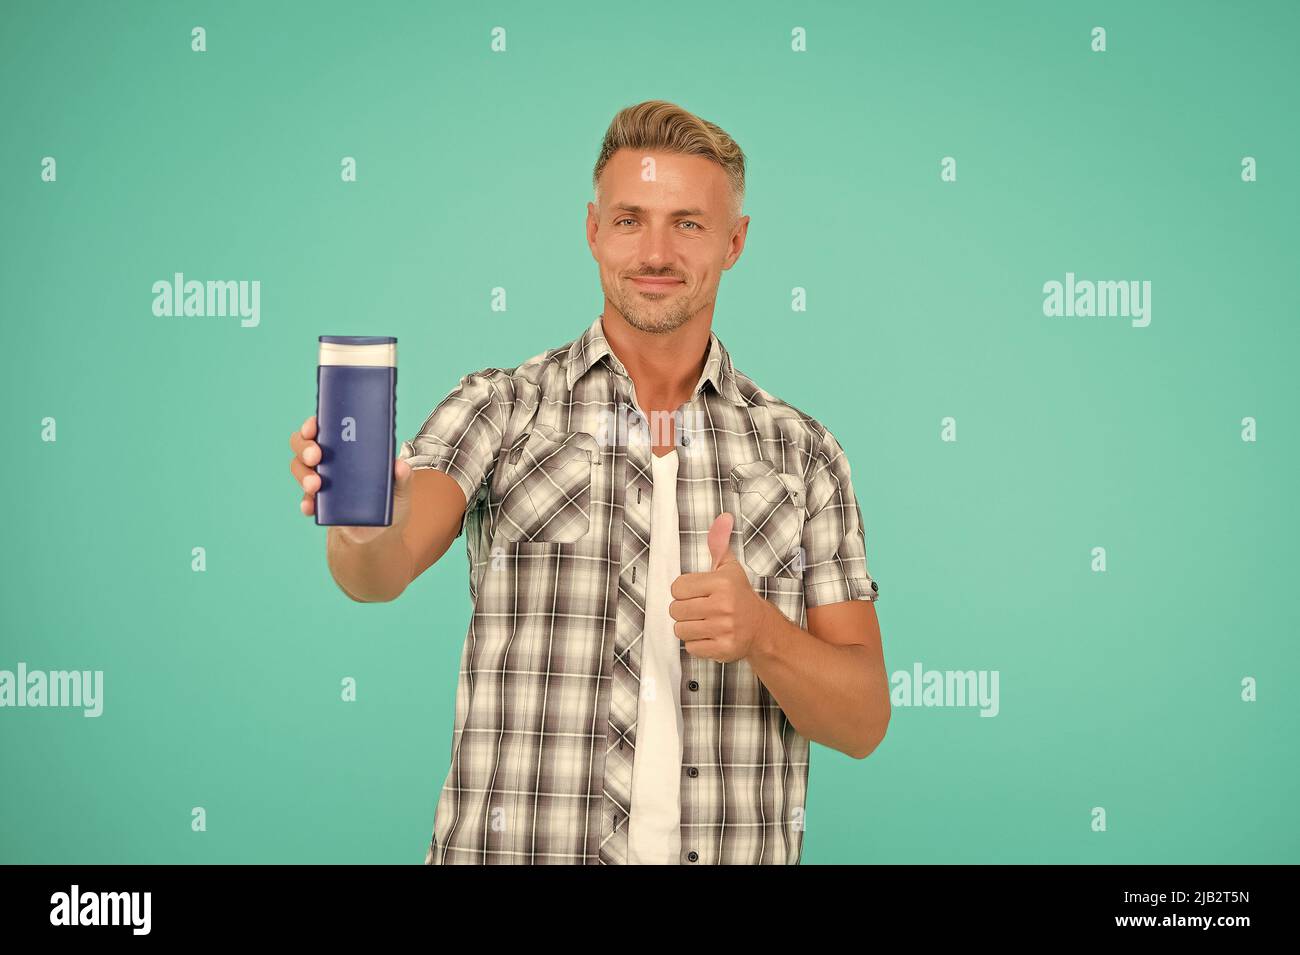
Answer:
(307, 454)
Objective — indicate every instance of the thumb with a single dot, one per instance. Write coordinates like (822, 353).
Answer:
(401, 490)
(720, 540)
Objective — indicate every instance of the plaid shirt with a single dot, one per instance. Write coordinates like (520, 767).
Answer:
(554, 459)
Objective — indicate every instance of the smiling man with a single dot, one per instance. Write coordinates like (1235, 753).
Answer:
(667, 563)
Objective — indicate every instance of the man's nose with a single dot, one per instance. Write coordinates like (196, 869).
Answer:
(657, 245)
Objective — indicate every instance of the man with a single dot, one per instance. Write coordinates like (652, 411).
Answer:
(649, 533)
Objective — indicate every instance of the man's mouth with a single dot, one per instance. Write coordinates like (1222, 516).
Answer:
(655, 283)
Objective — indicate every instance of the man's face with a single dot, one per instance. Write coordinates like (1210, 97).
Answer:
(662, 242)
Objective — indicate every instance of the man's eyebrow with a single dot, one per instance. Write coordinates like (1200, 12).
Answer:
(628, 207)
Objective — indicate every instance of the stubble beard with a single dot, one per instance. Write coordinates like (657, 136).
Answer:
(657, 317)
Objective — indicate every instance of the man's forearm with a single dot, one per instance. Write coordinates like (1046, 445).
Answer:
(376, 571)
(837, 695)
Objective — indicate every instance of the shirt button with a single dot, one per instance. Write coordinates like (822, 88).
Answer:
(693, 685)
(693, 856)
(692, 772)
(874, 587)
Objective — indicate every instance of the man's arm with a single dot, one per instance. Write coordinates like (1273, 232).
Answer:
(435, 475)
(381, 569)
(829, 679)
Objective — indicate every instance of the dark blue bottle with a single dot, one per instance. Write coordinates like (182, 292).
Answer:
(356, 425)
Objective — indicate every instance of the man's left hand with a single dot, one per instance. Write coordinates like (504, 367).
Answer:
(719, 617)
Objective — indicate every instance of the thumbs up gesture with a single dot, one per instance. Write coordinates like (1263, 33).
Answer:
(719, 617)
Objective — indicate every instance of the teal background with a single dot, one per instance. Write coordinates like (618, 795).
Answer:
(1119, 690)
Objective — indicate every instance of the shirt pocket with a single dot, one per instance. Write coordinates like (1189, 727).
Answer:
(547, 496)
(771, 519)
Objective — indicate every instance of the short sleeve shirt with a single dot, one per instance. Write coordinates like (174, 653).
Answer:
(554, 458)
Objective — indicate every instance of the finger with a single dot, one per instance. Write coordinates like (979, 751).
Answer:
(699, 584)
(308, 504)
(691, 631)
(308, 479)
(298, 439)
(704, 649)
(697, 608)
(719, 539)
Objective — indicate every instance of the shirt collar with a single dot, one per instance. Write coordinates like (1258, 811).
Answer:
(592, 345)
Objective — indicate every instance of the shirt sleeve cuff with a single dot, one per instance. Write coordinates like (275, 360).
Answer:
(446, 460)
(839, 589)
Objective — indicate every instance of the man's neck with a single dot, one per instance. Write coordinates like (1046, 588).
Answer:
(664, 367)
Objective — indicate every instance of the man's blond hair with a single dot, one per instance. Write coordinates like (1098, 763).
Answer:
(666, 127)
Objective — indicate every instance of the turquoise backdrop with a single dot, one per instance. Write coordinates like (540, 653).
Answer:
(1119, 689)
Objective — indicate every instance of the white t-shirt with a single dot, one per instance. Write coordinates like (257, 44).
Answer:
(654, 826)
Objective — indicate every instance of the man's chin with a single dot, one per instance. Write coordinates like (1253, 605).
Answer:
(655, 324)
